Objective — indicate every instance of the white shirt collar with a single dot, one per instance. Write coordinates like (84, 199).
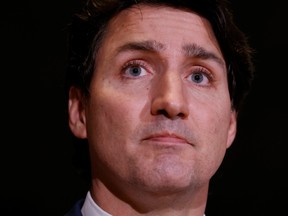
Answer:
(90, 208)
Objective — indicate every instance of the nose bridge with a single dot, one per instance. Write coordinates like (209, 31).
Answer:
(171, 87)
(170, 96)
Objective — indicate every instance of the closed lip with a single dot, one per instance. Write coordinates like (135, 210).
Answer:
(167, 137)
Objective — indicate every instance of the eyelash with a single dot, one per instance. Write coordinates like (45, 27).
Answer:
(205, 72)
(133, 63)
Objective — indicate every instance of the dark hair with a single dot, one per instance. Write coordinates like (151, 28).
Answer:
(87, 30)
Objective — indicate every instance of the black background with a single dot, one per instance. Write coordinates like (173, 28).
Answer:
(37, 176)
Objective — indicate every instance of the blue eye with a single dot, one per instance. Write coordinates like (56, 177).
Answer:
(201, 76)
(197, 77)
(134, 70)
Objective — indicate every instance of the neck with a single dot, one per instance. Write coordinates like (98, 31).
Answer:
(136, 202)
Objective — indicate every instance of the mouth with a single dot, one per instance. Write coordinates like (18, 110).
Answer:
(167, 139)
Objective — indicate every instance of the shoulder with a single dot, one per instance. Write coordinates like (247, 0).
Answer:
(76, 209)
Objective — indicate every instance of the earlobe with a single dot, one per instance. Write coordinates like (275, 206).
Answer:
(76, 109)
(232, 128)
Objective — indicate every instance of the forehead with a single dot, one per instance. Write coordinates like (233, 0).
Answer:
(169, 26)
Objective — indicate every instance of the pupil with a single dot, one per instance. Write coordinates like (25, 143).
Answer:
(198, 78)
(135, 71)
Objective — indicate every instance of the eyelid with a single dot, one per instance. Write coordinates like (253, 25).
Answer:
(135, 62)
(204, 71)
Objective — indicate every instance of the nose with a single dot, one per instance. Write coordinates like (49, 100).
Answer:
(169, 98)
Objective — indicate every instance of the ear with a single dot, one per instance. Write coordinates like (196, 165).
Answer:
(232, 128)
(76, 109)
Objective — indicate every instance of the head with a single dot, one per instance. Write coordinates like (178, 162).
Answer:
(155, 87)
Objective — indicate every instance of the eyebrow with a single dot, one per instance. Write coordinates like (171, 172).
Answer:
(194, 50)
(189, 50)
(147, 45)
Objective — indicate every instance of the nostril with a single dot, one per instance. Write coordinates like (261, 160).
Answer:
(170, 106)
(163, 112)
(181, 115)
(170, 115)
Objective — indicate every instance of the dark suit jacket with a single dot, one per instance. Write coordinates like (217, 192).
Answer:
(76, 209)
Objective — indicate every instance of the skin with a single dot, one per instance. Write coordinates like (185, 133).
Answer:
(159, 117)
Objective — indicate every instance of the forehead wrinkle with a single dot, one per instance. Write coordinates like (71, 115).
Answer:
(196, 51)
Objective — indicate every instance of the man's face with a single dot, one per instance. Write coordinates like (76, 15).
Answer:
(159, 115)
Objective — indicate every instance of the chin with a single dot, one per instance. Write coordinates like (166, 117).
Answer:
(169, 178)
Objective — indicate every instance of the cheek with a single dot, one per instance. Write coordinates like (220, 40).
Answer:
(112, 118)
(106, 131)
(105, 118)
(213, 126)
(112, 121)
(212, 112)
